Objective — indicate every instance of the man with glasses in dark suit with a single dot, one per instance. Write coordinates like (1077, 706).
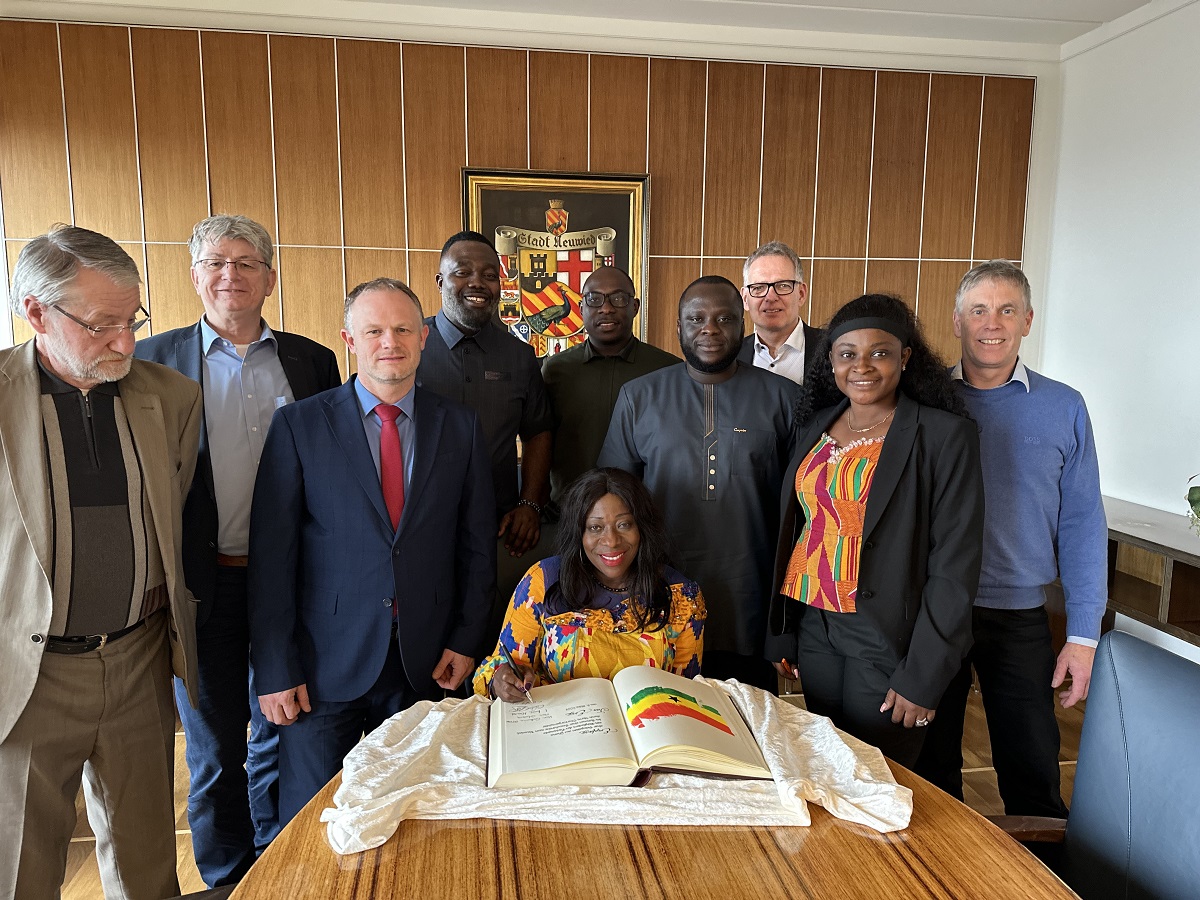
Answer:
(774, 294)
(246, 370)
(584, 381)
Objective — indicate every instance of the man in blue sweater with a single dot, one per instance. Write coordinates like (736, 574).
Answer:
(1044, 519)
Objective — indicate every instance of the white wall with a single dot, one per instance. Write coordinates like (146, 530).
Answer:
(1122, 310)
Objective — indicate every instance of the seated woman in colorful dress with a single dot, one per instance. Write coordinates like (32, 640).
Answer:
(607, 601)
(881, 530)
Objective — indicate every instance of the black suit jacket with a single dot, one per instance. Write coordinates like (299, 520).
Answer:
(922, 545)
(812, 337)
(310, 368)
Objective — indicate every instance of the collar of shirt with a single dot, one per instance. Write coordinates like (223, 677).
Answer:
(52, 384)
(1020, 373)
(209, 337)
(626, 354)
(485, 338)
(795, 341)
(369, 401)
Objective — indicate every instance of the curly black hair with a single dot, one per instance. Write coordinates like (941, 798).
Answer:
(576, 585)
(924, 379)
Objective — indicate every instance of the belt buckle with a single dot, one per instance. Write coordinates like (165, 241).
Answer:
(103, 641)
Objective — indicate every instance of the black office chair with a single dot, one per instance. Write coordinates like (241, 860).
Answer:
(1134, 827)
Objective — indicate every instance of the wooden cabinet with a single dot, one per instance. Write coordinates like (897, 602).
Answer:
(1154, 568)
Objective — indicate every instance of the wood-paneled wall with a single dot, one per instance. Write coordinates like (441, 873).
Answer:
(349, 152)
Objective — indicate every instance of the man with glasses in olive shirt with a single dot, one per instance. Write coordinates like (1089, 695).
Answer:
(774, 293)
(583, 382)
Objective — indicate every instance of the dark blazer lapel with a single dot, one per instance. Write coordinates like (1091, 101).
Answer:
(189, 356)
(812, 337)
(344, 414)
(892, 459)
(21, 437)
(746, 354)
(189, 361)
(296, 368)
(429, 418)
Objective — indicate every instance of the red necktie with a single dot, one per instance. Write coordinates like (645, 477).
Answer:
(391, 461)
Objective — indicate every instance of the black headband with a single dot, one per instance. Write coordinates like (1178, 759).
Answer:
(899, 330)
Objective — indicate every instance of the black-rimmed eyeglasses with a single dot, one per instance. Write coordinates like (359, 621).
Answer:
(104, 330)
(782, 288)
(619, 299)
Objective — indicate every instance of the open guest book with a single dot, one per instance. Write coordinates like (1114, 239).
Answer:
(592, 731)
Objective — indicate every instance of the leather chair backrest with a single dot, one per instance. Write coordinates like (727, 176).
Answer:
(1134, 827)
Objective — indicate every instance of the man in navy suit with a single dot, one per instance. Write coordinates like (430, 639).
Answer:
(246, 370)
(372, 548)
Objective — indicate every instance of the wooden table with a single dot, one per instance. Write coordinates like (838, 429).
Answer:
(948, 851)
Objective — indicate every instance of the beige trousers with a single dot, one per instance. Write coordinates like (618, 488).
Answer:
(106, 717)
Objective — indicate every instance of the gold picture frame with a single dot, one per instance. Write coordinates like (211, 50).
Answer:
(551, 229)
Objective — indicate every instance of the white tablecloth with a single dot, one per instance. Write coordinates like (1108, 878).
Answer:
(430, 762)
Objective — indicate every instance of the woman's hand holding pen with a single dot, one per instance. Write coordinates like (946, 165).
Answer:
(510, 682)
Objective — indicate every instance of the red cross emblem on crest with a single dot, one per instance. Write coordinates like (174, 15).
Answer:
(556, 218)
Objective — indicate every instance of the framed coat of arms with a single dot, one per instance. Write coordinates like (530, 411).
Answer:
(552, 230)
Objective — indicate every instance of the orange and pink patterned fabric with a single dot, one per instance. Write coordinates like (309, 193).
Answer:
(832, 483)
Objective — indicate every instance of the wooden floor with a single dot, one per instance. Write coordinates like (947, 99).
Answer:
(979, 788)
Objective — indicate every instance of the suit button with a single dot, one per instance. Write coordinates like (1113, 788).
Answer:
(866, 595)
(36, 638)
(387, 601)
(395, 551)
(212, 546)
(869, 545)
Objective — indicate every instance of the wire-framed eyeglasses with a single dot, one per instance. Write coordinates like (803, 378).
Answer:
(98, 331)
(244, 266)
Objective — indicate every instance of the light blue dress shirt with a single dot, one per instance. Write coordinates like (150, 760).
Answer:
(240, 396)
(373, 428)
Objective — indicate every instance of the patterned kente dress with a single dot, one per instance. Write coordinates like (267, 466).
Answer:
(597, 642)
(832, 483)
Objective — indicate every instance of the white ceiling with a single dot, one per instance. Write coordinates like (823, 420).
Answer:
(1017, 21)
(1001, 35)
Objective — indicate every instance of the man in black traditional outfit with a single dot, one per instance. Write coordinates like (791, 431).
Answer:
(711, 440)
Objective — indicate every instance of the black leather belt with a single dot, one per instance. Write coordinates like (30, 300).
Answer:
(88, 642)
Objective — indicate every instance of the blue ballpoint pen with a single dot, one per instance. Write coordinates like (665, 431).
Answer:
(516, 671)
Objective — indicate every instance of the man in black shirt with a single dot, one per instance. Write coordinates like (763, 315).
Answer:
(470, 358)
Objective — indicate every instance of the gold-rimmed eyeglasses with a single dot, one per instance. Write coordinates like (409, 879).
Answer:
(104, 330)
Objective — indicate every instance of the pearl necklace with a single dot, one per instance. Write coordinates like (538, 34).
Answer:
(872, 428)
(838, 451)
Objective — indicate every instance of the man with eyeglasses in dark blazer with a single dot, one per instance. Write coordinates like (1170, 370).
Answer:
(246, 371)
(774, 294)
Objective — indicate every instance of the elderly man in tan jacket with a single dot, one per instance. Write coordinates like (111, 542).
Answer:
(98, 451)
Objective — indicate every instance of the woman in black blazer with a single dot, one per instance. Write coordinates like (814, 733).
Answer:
(881, 537)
